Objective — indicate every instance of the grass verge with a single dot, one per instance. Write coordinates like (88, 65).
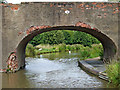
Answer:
(112, 70)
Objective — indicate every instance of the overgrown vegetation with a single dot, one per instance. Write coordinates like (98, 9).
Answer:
(64, 40)
(85, 52)
(91, 52)
(30, 51)
(113, 72)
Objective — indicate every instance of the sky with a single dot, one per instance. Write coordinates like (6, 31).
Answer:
(19, 1)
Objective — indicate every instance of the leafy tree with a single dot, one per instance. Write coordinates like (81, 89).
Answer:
(37, 40)
(84, 39)
(52, 37)
(65, 36)
(94, 40)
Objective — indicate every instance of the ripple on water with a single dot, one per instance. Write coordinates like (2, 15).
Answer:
(62, 73)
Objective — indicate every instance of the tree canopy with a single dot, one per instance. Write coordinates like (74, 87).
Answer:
(64, 36)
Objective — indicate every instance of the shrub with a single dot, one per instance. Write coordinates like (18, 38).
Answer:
(62, 47)
(85, 54)
(77, 47)
(68, 47)
(96, 50)
(30, 51)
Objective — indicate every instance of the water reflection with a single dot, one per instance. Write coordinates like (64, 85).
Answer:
(57, 70)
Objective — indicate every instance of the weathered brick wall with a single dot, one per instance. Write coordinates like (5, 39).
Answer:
(19, 18)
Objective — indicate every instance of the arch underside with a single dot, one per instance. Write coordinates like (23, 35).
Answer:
(108, 44)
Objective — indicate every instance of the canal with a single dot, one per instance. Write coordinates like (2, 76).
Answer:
(54, 70)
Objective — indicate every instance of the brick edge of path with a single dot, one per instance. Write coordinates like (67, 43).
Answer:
(91, 69)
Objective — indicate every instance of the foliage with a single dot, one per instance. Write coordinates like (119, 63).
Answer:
(101, 54)
(91, 52)
(65, 36)
(113, 73)
(84, 39)
(66, 40)
(37, 40)
(52, 37)
(97, 50)
(68, 36)
(30, 51)
(86, 52)
(62, 47)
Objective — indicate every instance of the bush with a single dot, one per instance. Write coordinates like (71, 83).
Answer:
(96, 50)
(91, 52)
(62, 47)
(85, 53)
(68, 47)
(77, 47)
(30, 51)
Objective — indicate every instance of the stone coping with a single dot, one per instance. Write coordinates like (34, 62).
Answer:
(89, 68)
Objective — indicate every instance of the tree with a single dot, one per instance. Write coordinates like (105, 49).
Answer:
(37, 40)
(52, 37)
(67, 36)
(84, 39)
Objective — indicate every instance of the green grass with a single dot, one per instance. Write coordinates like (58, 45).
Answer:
(86, 52)
(112, 70)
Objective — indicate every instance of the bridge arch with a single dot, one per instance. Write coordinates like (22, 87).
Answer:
(108, 44)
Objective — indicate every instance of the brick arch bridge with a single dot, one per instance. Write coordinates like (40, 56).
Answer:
(20, 23)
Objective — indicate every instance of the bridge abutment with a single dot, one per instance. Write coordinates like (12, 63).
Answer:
(98, 19)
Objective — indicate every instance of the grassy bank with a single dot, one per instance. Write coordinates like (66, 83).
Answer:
(96, 50)
(113, 72)
(86, 52)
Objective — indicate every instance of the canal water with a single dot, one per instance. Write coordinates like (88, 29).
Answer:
(55, 70)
